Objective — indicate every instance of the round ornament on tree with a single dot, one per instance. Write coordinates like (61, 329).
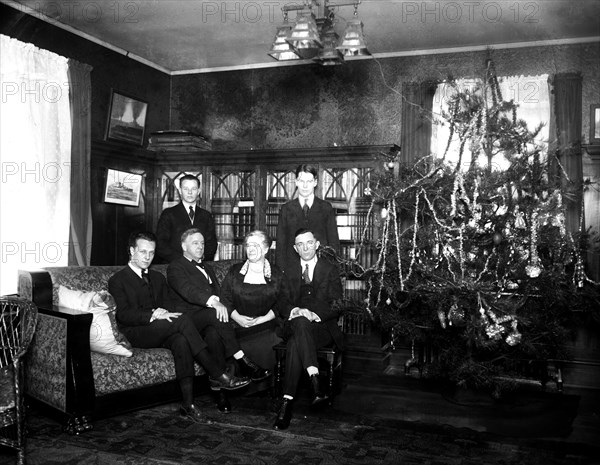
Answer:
(497, 238)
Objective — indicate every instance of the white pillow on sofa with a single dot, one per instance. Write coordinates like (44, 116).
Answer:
(105, 337)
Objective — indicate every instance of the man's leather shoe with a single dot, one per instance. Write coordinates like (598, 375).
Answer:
(193, 414)
(318, 395)
(250, 368)
(223, 403)
(228, 382)
(285, 414)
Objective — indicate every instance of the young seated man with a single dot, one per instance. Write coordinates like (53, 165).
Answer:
(313, 286)
(144, 315)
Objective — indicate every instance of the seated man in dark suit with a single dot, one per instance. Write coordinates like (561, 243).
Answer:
(144, 316)
(196, 293)
(313, 285)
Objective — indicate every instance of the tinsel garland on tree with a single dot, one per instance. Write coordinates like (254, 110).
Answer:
(476, 261)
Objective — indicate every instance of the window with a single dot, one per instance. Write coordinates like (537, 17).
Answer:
(529, 92)
(35, 146)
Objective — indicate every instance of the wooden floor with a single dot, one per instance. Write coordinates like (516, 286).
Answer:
(572, 416)
(380, 387)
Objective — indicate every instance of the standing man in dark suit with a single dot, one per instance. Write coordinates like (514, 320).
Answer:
(196, 293)
(144, 316)
(314, 285)
(307, 211)
(186, 214)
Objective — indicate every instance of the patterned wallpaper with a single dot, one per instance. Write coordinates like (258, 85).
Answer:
(358, 103)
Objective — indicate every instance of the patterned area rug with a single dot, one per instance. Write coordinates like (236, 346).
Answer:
(246, 437)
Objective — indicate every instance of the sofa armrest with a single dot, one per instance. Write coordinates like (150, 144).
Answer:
(59, 368)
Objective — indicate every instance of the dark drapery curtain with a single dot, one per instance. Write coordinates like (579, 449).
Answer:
(80, 95)
(567, 95)
(417, 107)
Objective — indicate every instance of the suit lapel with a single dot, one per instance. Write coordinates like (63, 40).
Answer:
(319, 272)
(194, 269)
(133, 277)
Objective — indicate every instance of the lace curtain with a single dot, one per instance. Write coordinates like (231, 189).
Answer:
(35, 151)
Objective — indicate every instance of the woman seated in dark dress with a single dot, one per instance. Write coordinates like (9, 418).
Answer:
(254, 293)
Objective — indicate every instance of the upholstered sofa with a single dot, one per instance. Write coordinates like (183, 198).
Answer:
(63, 374)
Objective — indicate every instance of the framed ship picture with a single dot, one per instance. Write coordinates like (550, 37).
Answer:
(123, 188)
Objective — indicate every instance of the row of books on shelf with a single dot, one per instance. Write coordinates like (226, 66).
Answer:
(234, 225)
(353, 322)
(177, 141)
(364, 256)
(230, 251)
(356, 264)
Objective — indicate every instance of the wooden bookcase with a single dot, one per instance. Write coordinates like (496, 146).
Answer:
(244, 190)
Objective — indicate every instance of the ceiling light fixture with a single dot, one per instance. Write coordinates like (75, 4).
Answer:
(313, 35)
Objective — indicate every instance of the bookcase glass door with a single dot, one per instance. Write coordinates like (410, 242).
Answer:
(345, 188)
(233, 207)
(281, 187)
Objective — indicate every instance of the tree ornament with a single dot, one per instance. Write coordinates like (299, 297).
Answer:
(497, 238)
(456, 315)
(515, 336)
(519, 219)
(533, 271)
(442, 317)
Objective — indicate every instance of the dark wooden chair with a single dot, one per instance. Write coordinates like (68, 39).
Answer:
(331, 357)
(18, 318)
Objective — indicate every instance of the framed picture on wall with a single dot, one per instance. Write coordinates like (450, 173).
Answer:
(123, 188)
(127, 118)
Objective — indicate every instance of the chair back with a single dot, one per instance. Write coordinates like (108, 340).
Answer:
(18, 318)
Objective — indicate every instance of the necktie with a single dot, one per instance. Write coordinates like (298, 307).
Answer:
(199, 265)
(305, 209)
(146, 279)
(192, 214)
(305, 275)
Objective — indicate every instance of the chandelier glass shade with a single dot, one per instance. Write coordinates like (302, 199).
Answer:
(313, 36)
(304, 36)
(281, 49)
(353, 42)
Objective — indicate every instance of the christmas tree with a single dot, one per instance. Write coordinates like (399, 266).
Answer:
(476, 261)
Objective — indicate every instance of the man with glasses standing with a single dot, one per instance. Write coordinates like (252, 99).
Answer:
(186, 214)
(310, 321)
(307, 211)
